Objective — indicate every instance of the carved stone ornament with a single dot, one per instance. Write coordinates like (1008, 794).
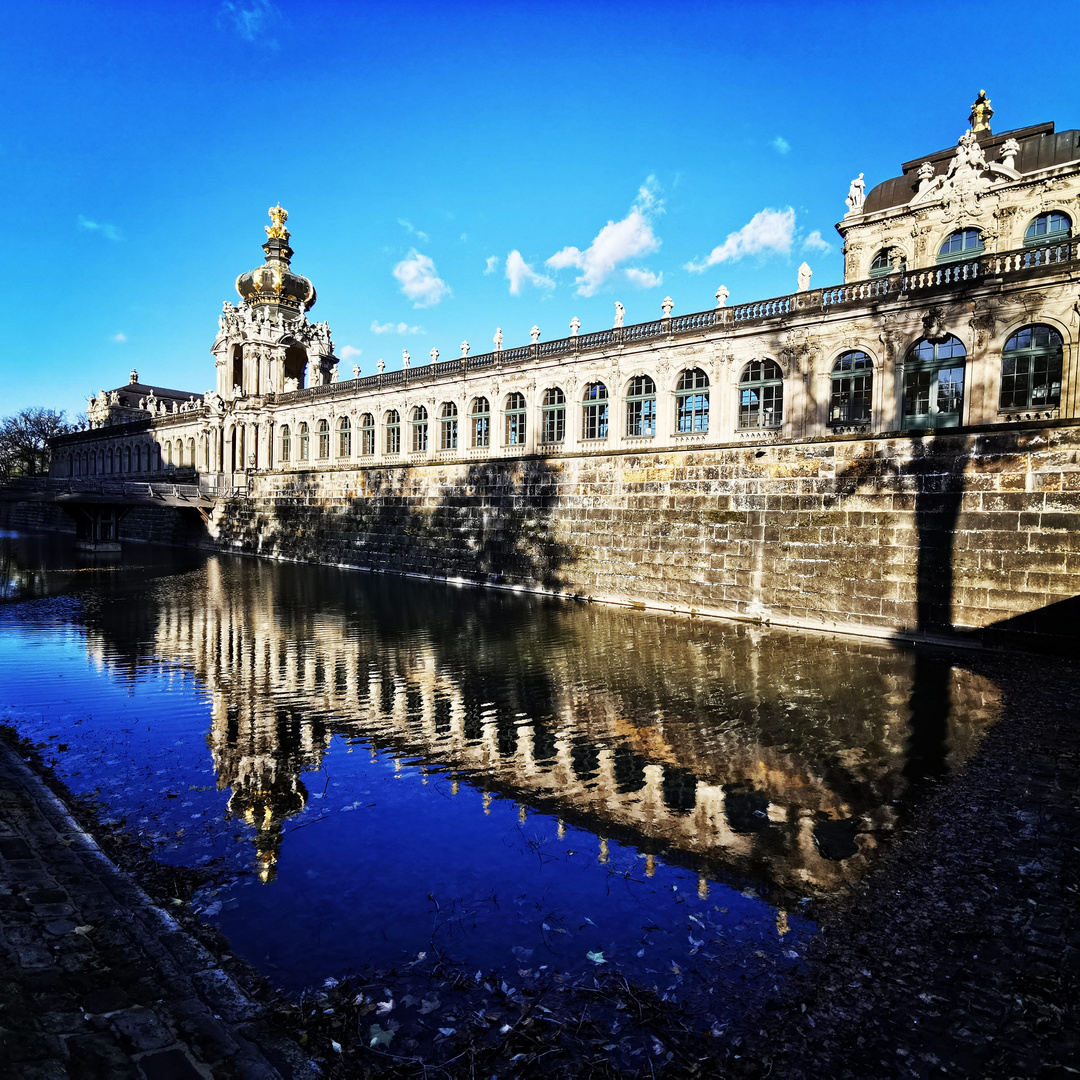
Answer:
(934, 326)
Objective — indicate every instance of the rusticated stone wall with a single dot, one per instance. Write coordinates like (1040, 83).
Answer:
(929, 533)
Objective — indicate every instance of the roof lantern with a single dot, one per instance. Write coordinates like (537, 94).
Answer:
(274, 283)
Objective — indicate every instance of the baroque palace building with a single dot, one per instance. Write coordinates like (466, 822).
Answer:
(958, 310)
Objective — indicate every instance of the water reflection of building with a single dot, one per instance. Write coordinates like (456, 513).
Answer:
(724, 747)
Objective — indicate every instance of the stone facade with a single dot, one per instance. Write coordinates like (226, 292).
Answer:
(751, 459)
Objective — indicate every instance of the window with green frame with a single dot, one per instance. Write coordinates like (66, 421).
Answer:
(692, 402)
(553, 416)
(324, 438)
(641, 407)
(448, 419)
(367, 434)
(934, 384)
(1031, 365)
(761, 395)
(514, 417)
(393, 432)
(286, 442)
(480, 422)
(882, 263)
(345, 437)
(419, 429)
(852, 385)
(594, 412)
(305, 443)
(962, 244)
(1048, 228)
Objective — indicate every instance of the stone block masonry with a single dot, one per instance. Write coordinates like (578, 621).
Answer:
(931, 533)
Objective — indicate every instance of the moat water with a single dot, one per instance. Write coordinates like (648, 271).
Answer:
(370, 767)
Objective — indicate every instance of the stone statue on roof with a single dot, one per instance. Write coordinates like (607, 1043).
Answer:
(856, 195)
(805, 273)
(981, 112)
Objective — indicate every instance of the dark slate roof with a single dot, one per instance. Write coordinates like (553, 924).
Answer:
(130, 393)
(1040, 148)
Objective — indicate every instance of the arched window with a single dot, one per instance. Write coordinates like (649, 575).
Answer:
(882, 264)
(641, 407)
(419, 429)
(393, 432)
(761, 395)
(1048, 229)
(324, 438)
(448, 418)
(692, 402)
(127, 460)
(157, 457)
(594, 412)
(480, 422)
(852, 381)
(286, 442)
(1031, 369)
(962, 244)
(344, 437)
(180, 453)
(934, 384)
(553, 416)
(367, 434)
(515, 420)
(305, 442)
(191, 452)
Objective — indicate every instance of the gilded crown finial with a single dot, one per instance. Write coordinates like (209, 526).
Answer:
(278, 215)
(981, 112)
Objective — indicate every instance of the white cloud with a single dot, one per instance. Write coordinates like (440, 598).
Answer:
(816, 242)
(253, 20)
(121, 338)
(492, 264)
(393, 328)
(519, 272)
(767, 230)
(419, 281)
(616, 242)
(349, 352)
(110, 232)
(780, 144)
(412, 231)
(643, 279)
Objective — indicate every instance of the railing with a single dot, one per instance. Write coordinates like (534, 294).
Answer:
(82, 485)
(831, 298)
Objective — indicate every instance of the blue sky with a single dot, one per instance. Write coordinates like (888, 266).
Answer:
(450, 168)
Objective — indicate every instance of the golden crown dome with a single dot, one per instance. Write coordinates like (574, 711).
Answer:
(274, 282)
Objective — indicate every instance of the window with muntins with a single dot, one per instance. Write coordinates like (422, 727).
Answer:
(1031, 365)
(419, 429)
(448, 420)
(480, 422)
(692, 402)
(305, 443)
(515, 420)
(962, 244)
(1048, 229)
(344, 437)
(641, 407)
(324, 438)
(553, 416)
(934, 384)
(852, 383)
(882, 264)
(393, 432)
(761, 395)
(367, 434)
(594, 412)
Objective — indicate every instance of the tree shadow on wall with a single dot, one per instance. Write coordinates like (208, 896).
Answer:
(494, 525)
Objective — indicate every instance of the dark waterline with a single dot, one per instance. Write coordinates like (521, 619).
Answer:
(373, 766)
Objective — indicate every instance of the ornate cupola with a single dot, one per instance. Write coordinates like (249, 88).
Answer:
(274, 283)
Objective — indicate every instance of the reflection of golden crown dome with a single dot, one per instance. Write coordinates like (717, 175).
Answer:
(274, 282)
(266, 809)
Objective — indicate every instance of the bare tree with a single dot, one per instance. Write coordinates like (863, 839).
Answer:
(24, 441)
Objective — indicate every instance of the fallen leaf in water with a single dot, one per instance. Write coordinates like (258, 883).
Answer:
(379, 1037)
(337, 1045)
(596, 957)
(383, 1007)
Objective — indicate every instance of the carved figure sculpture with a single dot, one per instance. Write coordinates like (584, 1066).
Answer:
(620, 314)
(981, 112)
(721, 296)
(969, 155)
(856, 195)
(805, 273)
(926, 175)
(356, 371)
(667, 306)
(434, 354)
(534, 333)
(498, 339)
(406, 359)
(464, 348)
(381, 365)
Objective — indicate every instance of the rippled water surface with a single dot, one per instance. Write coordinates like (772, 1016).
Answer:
(371, 766)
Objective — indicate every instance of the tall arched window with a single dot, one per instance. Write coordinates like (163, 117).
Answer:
(324, 438)
(692, 402)
(344, 437)
(594, 412)
(553, 416)
(286, 442)
(480, 422)
(419, 429)
(393, 432)
(1048, 229)
(962, 244)
(641, 407)
(852, 382)
(1031, 364)
(305, 442)
(190, 453)
(934, 384)
(515, 420)
(448, 420)
(367, 434)
(761, 395)
(127, 460)
(882, 263)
